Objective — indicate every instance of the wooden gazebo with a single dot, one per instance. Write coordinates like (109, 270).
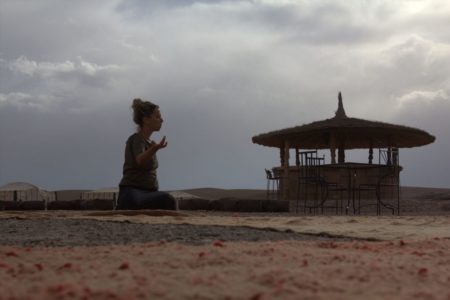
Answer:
(341, 133)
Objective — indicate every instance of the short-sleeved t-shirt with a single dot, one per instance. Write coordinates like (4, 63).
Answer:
(133, 175)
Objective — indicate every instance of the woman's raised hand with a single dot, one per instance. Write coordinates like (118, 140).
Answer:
(161, 144)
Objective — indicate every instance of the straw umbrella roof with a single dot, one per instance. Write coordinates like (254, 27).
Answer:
(349, 133)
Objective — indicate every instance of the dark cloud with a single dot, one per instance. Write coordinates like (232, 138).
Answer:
(222, 71)
(430, 111)
(313, 23)
(144, 8)
(60, 150)
(52, 31)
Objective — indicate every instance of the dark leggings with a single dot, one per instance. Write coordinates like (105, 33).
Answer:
(134, 198)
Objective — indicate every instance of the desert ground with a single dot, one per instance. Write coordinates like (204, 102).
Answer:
(229, 255)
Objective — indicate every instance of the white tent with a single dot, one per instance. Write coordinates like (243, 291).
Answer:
(112, 193)
(101, 194)
(23, 191)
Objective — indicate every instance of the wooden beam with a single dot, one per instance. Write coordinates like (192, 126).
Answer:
(333, 148)
(282, 156)
(286, 171)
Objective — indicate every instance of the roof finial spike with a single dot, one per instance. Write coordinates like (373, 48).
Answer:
(340, 113)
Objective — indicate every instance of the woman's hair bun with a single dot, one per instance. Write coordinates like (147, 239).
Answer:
(137, 103)
(142, 109)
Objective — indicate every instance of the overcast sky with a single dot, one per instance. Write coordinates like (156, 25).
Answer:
(222, 72)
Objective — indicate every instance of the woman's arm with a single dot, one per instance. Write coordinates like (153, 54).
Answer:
(145, 157)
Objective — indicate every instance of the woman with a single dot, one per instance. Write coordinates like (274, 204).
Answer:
(138, 188)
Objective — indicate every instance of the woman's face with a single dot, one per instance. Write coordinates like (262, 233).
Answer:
(154, 121)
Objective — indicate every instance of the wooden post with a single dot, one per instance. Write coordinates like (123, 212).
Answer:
(282, 156)
(340, 143)
(371, 152)
(389, 156)
(333, 148)
(395, 156)
(341, 154)
(286, 171)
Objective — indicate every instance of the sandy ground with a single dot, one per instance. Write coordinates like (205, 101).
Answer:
(204, 255)
(230, 270)
(356, 227)
(59, 232)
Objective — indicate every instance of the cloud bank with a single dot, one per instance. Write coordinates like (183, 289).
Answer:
(222, 71)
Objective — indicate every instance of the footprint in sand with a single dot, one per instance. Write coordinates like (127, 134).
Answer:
(152, 213)
(396, 223)
(295, 222)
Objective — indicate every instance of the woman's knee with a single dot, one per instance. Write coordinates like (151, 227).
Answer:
(165, 200)
(130, 198)
(153, 200)
(124, 198)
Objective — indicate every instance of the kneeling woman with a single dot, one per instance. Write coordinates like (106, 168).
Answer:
(138, 188)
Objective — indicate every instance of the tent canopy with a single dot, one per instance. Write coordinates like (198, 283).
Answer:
(23, 191)
(109, 193)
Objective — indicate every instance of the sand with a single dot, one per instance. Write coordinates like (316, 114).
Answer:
(71, 232)
(356, 227)
(212, 255)
(230, 270)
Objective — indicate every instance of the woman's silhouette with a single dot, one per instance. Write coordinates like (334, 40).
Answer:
(138, 188)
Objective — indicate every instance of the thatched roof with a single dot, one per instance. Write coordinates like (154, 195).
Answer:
(351, 133)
